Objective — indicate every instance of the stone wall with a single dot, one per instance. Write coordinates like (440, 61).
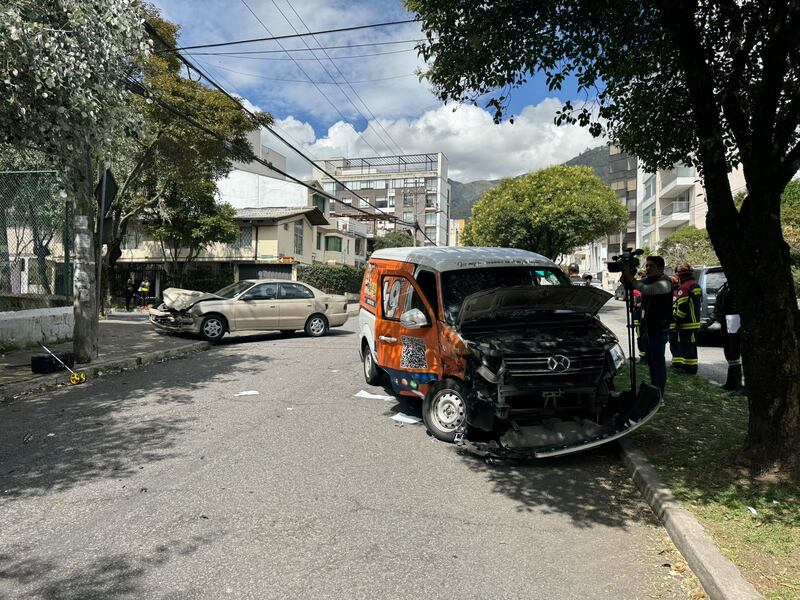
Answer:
(23, 328)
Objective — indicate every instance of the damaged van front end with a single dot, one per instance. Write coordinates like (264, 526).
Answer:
(541, 367)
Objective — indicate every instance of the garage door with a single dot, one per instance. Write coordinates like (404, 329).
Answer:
(265, 272)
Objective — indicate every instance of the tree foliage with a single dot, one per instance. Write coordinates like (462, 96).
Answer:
(187, 220)
(688, 244)
(334, 279)
(551, 212)
(393, 239)
(716, 84)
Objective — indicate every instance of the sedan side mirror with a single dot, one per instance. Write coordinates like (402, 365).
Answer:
(413, 319)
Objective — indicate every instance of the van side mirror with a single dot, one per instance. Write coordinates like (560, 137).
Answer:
(413, 319)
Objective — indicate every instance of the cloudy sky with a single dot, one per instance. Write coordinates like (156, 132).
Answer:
(364, 99)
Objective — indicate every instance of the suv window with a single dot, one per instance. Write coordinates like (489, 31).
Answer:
(264, 291)
(714, 281)
(295, 291)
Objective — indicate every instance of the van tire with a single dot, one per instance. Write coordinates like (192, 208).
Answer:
(444, 409)
(372, 373)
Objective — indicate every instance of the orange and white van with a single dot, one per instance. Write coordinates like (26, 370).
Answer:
(495, 340)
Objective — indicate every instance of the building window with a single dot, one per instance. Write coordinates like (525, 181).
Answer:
(391, 202)
(245, 238)
(408, 216)
(364, 203)
(381, 202)
(354, 185)
(408, 199)
(329, 186)
(318, 202)
(430, 201)
(649, 188)
(359, 246)
(366, 185)
(319, 241)
(430, 232)
(348, 246)
(430, 184)
(346, 199)
(333, 243)
(298, 237)
(430, 219)
(379, 184)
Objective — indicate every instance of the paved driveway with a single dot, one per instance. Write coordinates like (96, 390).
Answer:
(163, 483)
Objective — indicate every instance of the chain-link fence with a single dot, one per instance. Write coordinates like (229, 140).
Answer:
(35, 235)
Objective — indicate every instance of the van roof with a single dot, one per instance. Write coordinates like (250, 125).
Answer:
(452, 258)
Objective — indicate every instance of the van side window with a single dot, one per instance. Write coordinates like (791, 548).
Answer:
(427, 283)
(398, 297)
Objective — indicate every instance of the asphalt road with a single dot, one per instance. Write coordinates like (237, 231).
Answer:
(163, 483)
(712, 365)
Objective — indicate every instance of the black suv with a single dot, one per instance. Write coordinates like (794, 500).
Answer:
(710, 279)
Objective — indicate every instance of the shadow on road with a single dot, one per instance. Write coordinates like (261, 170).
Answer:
(243, 338)
(107, 428)
(592, 488)
(116, 575)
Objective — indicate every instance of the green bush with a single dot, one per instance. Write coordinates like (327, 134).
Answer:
(333, 279)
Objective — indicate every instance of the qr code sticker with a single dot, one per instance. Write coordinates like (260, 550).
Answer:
(413, 353)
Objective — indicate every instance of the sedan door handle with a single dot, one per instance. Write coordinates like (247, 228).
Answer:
(387, 339)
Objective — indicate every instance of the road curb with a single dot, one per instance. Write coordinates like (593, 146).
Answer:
(12, 391)
(718, 575)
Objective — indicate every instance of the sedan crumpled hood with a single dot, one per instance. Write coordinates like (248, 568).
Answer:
(178, 299)
(526, 298)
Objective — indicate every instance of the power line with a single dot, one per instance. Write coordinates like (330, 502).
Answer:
(286, 37)
(259, 76)
(299, 66)
(236, 101)
(242, 56)
(325, 52)
(306, 50)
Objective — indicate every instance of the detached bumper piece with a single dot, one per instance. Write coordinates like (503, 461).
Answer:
(555, 437)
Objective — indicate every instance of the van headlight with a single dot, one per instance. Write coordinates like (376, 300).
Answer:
(617, 356)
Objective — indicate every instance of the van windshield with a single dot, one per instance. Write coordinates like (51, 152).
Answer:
(457, 285)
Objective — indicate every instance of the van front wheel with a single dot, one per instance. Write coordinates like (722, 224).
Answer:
(372, 374)
(444, 409)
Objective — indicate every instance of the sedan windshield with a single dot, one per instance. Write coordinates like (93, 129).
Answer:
(457, 285)
(234, 289)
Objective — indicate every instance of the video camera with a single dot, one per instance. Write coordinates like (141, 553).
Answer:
(628, 257)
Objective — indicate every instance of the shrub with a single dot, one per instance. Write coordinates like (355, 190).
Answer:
(333, 279)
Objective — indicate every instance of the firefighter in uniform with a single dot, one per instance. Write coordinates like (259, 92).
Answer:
(686, 313)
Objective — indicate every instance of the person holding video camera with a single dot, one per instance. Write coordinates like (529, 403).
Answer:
(656, 290)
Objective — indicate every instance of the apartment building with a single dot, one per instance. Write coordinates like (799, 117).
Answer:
(673, 198)
(410, 187)
(622, 177)
(456, 235)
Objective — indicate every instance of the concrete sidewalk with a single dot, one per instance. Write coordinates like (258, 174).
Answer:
(127, 341)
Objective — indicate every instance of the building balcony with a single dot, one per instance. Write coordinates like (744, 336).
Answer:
(674, 214)
(675, 181)
(647, 228)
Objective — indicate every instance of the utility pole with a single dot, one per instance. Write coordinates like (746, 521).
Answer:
(84, 294)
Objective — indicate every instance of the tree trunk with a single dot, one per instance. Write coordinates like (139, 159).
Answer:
(84, 336)
(758, 267)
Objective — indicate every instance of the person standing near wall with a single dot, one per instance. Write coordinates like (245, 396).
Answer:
(130, 290)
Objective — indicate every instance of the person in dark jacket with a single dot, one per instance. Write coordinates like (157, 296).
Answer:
(130, 290)
(656, 289)
(686, 313)
(727, 313)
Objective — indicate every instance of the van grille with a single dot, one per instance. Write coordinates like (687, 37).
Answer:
(583, 364)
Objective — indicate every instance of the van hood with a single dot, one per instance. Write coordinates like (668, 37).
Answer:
(526, 298)
(178, 299)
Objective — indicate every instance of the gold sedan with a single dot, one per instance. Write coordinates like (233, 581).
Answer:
(250, 305)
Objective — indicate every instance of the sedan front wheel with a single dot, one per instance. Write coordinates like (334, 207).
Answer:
(213, 328)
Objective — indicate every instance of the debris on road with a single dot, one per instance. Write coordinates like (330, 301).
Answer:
(404, 418)
(365, 394)
(248, 393)
(27, 438)
(753, 511)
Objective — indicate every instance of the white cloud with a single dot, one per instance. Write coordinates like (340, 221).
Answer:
(475, 147)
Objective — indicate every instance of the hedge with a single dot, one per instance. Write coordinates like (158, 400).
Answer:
(333, 279)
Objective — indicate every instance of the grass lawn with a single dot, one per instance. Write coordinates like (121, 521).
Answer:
(694, 441)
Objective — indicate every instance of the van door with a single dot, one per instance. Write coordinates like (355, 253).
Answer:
(409, 353)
